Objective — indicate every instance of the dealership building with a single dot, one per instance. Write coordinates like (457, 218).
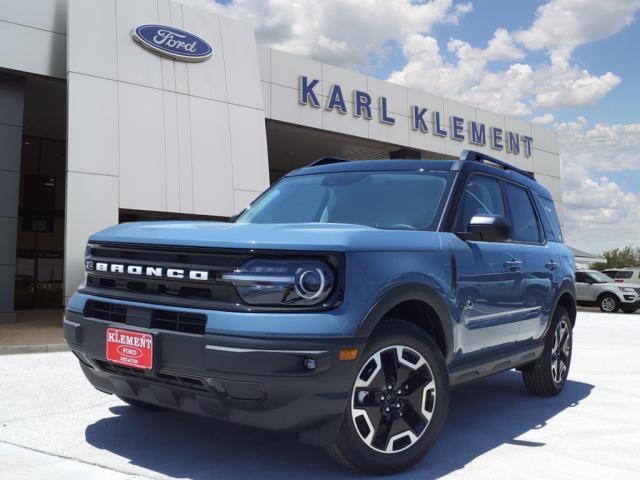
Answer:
(118, 110)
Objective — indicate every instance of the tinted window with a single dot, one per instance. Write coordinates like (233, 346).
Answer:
(624, 274)
(523, 217)
(389, 200)
(550, 220)
(481, 195)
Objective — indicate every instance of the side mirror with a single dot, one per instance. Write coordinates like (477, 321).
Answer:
(488, 228)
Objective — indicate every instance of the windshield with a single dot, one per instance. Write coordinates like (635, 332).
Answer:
(387, 200)
(600, 277)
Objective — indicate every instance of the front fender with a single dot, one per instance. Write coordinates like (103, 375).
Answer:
(405, 292)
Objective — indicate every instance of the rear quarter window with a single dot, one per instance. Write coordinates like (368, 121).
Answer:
(550, 221)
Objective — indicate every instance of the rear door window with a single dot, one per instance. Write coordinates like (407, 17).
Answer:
(523, 218)
(624, 274)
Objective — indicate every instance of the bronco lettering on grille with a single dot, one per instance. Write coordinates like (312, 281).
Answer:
(149, 271)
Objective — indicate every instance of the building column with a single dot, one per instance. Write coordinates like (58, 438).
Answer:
(11, 108)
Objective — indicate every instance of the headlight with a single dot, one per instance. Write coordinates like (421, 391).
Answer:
(282, 282)
(627, 289)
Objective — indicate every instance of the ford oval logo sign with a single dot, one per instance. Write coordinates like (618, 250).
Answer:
(172, 43)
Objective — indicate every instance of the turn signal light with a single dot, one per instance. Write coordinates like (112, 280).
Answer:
(348, 353)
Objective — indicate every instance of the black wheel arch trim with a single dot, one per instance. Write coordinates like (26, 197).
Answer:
(567, 287)
(408, 292)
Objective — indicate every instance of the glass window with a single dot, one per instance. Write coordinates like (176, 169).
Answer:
(481, 196)
(581, 277)
(523, 217)
(623, 274)
(550, 220)
(379, 199)
(599, 277)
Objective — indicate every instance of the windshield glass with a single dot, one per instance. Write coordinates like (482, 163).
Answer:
(600, 277)
(388, 200)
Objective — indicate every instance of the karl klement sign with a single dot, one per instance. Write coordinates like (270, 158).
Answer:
(478, 133)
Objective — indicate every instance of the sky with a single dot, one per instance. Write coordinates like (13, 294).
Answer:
(572, 66)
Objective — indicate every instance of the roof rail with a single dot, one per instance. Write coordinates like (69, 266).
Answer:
(472, 155)
(326, 161)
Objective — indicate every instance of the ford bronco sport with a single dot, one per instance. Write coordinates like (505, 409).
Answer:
(343, 304)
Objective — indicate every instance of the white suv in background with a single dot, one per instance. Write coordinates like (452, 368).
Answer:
(594, 288)
(628, 275)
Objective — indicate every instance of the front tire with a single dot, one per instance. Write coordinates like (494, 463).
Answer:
(629, 309)
(608, 303)
(547, 375)
(398, 404)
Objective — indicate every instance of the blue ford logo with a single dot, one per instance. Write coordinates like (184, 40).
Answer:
(172, 42)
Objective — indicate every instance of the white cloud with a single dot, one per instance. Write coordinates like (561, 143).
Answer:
(566, 86)
(467, 78)
(599, 213)
(346, 33)
(519, 89)
(360, 34)
(562, 24)
(545, 119)
(603, 147)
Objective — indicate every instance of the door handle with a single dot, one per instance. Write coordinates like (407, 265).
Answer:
(551, 265)
(513, 265)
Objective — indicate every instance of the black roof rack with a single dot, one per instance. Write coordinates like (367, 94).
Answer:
(326, 161)
(472, 155)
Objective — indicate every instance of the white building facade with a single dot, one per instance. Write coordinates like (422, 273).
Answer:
(96, 129)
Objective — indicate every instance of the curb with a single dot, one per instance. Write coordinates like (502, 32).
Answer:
(17, 349)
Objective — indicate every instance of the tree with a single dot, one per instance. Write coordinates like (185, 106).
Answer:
(619, 258)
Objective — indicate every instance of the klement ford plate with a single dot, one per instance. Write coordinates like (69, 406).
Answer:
(133, 349)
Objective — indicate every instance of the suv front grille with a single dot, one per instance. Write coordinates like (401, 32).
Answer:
(184, 322)
(208, 293)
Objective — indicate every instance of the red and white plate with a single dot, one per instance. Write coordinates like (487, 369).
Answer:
(133, 349)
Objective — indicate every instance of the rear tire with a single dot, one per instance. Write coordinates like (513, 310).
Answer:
(608, 303)
(139, 404)
(548, 374)
(387, 430)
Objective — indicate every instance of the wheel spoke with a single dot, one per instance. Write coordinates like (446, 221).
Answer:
(562, 367)
(365, 398)
(563, 357)
(389, 361)
(416, 381)
(382, 433)
(413, 419)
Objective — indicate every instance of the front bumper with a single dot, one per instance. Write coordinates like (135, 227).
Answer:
(261, 382)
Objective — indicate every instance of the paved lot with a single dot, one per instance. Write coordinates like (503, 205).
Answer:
(54, 425)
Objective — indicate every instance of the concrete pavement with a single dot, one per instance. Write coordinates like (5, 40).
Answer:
(53, 424)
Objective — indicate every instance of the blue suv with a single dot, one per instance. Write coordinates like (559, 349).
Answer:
(343, 304)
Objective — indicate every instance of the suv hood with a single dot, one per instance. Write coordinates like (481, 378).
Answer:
(303, 236)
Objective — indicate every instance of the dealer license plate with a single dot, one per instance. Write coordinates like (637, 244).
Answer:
(133, 349)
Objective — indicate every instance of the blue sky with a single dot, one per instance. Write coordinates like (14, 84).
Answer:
(569, 65)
